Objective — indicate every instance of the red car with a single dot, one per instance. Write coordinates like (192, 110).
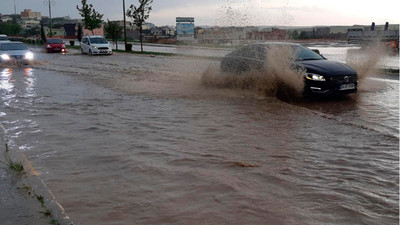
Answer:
(55, 45)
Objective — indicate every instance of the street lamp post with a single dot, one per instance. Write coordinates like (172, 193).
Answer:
(51, 23)
(123, 1)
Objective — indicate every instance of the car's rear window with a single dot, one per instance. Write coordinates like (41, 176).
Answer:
(13, 46)
(98, 40)
(54, 41)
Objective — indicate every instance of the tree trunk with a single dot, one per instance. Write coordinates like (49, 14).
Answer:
(141, 39)
(116, 44)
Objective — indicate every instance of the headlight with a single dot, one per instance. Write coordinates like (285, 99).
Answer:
(95, 47)
(48, 46)
(29, 56)
(316, 77)
(5, 57)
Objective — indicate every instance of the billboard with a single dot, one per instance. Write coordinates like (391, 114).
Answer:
(185, 28)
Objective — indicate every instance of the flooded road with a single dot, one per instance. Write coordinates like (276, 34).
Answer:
(128, 139)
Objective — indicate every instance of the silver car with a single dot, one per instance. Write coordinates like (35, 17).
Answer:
(15, 51)
(3, 38)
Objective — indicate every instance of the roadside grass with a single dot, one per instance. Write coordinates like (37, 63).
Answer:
(47, 212)
(17, 166)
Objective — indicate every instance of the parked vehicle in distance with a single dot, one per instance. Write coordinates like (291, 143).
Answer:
(3, 38)
(55, 45)
(321, 76)
(15, 51)
(95, 45)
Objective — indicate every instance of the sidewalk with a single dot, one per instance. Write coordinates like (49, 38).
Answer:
(24, 198)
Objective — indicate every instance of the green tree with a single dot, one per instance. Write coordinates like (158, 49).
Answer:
(294, 35)
(79, 33)
(10, 28)
(31, 32)
(139, 15)
(303, 35)
(91, 18)
(113, 30)
(42, 35)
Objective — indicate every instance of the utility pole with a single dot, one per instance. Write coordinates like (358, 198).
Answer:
(51, 23)
(123, 1)
(15, 13)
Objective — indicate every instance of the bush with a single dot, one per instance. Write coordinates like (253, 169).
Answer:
(72, 43)
(128, 47)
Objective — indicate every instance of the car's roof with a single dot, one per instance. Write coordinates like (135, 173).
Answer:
(3, 35)
(95, 36)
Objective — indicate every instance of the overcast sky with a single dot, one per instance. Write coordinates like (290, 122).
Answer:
(232, 12)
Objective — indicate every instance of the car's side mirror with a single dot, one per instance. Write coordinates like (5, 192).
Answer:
(316, 51)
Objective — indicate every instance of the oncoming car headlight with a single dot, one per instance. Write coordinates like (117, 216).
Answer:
(316, 77)
(29, 56)
(5, 57)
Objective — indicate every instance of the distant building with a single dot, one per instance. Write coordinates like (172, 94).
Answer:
(60, 32)
(4, 18)
(29, 23)
(274, 34)
(71, 30)
(224, 35)
(321, 32)
(147, 26)
(156, 31)
(370, 34)
(96, 32)
(28, 14)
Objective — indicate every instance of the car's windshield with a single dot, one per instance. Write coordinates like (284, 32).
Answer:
(54, 41)
(13, 46)
(98, 40)
(303, 53)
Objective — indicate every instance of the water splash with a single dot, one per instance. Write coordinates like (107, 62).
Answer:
(366, 62)
(279, 78)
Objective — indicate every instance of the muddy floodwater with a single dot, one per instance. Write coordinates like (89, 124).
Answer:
(131, 139)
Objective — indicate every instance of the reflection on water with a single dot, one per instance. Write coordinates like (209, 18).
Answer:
(6, 82)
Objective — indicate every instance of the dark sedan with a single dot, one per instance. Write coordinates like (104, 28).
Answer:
(321, 76)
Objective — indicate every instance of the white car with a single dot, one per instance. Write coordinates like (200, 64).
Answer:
(94, 45)
(15, 51)
(3, 38)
